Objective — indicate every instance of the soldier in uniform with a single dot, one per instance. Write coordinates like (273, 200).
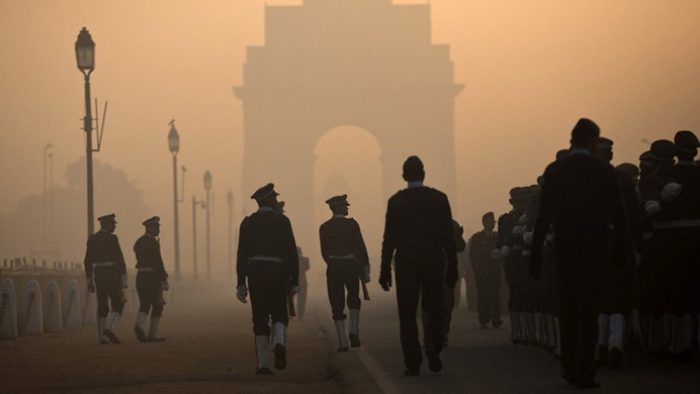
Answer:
(581, 197)
(345, 254)
(618, 283)
(487, 272)
(104, 260)
(268, 259)
(151, 281)
(683, 272)
(419, 229)
(304, 266)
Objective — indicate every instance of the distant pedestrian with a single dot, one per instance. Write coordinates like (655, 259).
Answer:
(487, 272)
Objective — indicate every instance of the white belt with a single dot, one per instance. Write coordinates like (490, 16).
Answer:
(549, 237)
(677, 224)
(350, 256)
(104, 264)
(146, 269)
(266, 258)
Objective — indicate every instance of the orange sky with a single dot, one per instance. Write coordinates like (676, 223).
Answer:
(531, 69)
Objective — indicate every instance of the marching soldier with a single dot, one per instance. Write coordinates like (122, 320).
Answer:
(487, 272)
(419, 229)
(304, 266)
(581, 197)
(151, 281)
(104, 260)
(268, 259)
(344, 251)
(683, 271)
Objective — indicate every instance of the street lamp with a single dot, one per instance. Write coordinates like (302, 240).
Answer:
(46, 197)
(207, 187)
(174, 145)
(229, 201)
(194, 232)
(85, 56)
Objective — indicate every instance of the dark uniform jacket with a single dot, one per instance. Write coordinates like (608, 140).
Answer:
(341, 236)
(102, 247)
(418, 223)
(267, 233)
(481, 245)
(147, 249)
(581, 196)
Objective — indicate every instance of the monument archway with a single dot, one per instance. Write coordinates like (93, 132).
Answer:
(326, 63)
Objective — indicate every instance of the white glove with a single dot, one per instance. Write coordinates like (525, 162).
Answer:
(496, 254)
(518, 230)
(523, 219)
(527, 238)
(90, 285)
(295, 289)
(366, 278)
(164, 285)
(652, 207)
(505, 251)
(242, 293)
(125, 284)
(671, 191)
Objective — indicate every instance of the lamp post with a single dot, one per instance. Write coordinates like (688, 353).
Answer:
(85, 55)
(207, 187)
(194, 232)
(174, 145)
(46, 197)
(229, 201)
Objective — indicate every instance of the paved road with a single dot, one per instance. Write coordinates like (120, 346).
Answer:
(484, 361)
(210, 350)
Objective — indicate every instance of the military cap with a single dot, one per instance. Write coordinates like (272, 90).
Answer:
(516, 192)
(646, 157)
(108, 218)
(605, 143)
(488, 215)
(686, 141)
(155, 220)
(336, 200)
(264, 192)
(628, 169)
(413, 166)
(584, 131)
(663, 150)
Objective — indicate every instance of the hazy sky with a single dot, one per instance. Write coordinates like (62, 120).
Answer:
(530, 69)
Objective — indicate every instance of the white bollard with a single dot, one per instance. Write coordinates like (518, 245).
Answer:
(8, 310)
(53, 320)
(32, 323)
(73, 316)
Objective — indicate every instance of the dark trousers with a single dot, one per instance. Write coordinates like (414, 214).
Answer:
(108, 286)
(579, 298)
(342, 274)
(420, 279)
(267, 283)
(488, 283)
(516, 301)
(301, 296)
(150, 293)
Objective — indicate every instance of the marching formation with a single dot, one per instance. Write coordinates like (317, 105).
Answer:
(595, 257)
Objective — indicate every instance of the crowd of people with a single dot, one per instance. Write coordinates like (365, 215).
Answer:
(589, 243)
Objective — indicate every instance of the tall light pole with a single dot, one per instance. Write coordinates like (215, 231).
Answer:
(207, 187)
(229, 201)
(194, 233)
(174, 145)
(46, 196)
(85, 55)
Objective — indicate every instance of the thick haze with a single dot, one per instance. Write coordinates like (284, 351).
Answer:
(530, 69)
